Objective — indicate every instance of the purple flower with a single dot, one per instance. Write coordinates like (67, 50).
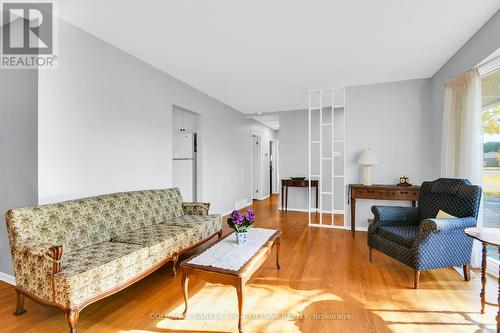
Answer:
(250, 215)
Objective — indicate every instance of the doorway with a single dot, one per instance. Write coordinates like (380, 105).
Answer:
(256, 167)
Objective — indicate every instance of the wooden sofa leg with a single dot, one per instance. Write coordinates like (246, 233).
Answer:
(174, 263)
(20, 304)
(467, 272)
(370, 254)
(416, 280)
(219, 234)
(72, 318)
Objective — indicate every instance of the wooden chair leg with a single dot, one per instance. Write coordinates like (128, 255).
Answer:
(370, 254)
(467, 272)
(72, 318)
(416, 280)
(219, 234)
(20, 304)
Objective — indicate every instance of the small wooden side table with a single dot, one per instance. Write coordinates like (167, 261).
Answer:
(487, 236)
(286, 183)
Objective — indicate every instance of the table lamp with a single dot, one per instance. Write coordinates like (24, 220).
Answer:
(368, 157)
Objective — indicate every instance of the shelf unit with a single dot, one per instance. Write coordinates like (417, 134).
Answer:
(325, 106)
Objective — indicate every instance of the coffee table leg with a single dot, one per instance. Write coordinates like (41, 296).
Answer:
(184, 283)
(483, 279)
(278, 245)
(240, 290)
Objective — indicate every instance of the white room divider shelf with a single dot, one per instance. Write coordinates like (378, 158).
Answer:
(327, 133)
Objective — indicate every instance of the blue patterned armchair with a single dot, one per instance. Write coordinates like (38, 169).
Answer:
(414, 237)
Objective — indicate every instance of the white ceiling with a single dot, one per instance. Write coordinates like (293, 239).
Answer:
(260, 56)
(270, 120)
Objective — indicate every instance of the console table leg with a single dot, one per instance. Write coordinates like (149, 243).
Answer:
(278, 245)
(483, 279)
(282, 197)
(184, 284)
(353, 217)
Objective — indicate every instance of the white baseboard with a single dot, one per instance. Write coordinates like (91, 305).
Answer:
(7, 278)
(264, 198)
(276, 192)
(336, 211)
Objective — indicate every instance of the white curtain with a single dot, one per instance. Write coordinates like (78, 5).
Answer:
(461, 142)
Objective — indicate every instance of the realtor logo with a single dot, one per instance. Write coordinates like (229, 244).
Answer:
(27, 35)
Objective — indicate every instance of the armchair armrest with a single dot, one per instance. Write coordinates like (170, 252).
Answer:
(430, 226)
(195, 208)
(387, 215)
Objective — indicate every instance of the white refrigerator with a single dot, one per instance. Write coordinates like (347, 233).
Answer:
(184, 165)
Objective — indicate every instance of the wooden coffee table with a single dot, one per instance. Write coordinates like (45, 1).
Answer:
(233, 277)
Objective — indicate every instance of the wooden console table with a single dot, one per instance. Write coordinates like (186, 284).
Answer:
(380, 192)
(286, 183)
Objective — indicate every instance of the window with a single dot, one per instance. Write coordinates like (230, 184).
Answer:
(490, 89)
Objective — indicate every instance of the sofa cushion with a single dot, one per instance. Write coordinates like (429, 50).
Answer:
(162, 240)
(403, 235)
(205, 225)
(97, 268)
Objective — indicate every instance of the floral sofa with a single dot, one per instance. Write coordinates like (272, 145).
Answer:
(74, 253)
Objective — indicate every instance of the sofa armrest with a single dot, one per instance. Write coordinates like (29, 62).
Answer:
(35, 266)
(395, 215)
(195, 208)
(43, 253)
(431, 226)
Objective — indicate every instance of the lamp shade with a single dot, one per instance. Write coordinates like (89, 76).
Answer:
(368, 157)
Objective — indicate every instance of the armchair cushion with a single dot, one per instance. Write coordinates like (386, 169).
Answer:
(394, 215)
(403, 235)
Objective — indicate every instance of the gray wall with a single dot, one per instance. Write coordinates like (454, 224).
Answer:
(392, 118)
(106, 126)
(395, 120)
(477, 48)
(18, 148)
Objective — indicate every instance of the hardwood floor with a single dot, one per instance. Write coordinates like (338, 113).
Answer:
(325, 284)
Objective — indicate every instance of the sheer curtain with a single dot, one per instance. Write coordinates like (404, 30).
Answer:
(461, 142)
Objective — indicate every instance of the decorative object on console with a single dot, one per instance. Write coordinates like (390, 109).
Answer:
(241, 224)
(298, 178)
(404, 181)
(368, 157)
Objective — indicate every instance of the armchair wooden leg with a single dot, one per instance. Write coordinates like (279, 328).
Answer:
(416, 280)
(467, 272)
(370, 254)
(219, 234)
(72, 318)
(20, 304)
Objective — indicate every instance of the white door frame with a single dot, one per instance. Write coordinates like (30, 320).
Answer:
(259, 159)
